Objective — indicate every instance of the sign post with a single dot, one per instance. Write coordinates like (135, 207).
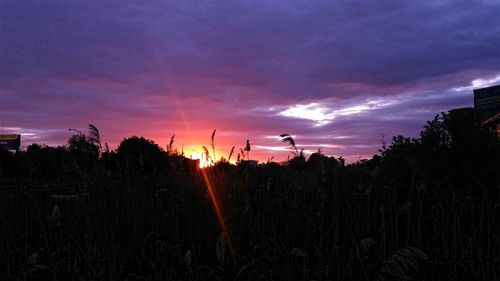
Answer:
(10, 141)
(486, 103)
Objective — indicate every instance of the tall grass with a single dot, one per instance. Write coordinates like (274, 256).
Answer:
(286, 224)
(420, 211)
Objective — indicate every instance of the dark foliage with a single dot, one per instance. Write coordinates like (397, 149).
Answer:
(424, 209)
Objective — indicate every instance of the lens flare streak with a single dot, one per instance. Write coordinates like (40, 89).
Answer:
(218, 210)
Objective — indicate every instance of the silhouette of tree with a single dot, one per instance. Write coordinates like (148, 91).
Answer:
(140, 155)
(156, 211)
(84, 150)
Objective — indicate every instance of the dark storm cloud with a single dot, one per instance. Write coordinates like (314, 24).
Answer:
(138, 67)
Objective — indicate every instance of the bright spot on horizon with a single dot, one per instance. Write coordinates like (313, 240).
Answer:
(204, 162)
(197, 154)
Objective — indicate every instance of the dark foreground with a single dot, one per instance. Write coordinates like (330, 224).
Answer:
(425, 209)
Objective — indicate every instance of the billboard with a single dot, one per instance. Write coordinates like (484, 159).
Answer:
(486, 103)
(10, 141)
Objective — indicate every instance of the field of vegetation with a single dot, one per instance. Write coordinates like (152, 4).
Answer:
(422, 209)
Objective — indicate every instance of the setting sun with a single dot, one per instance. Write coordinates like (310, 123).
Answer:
(196, 153)
(204, 162)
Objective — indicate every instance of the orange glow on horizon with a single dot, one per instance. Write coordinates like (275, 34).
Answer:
(195, 152)
(204, 162)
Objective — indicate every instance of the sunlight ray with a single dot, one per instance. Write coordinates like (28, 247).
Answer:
(218, 210)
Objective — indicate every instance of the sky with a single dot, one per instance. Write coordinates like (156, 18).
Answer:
(340, 76)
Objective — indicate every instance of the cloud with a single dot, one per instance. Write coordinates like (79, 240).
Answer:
(322, 115)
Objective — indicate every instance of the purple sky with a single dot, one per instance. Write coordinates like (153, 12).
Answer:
(336, 76)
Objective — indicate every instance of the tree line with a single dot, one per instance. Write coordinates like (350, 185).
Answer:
(424, 208)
